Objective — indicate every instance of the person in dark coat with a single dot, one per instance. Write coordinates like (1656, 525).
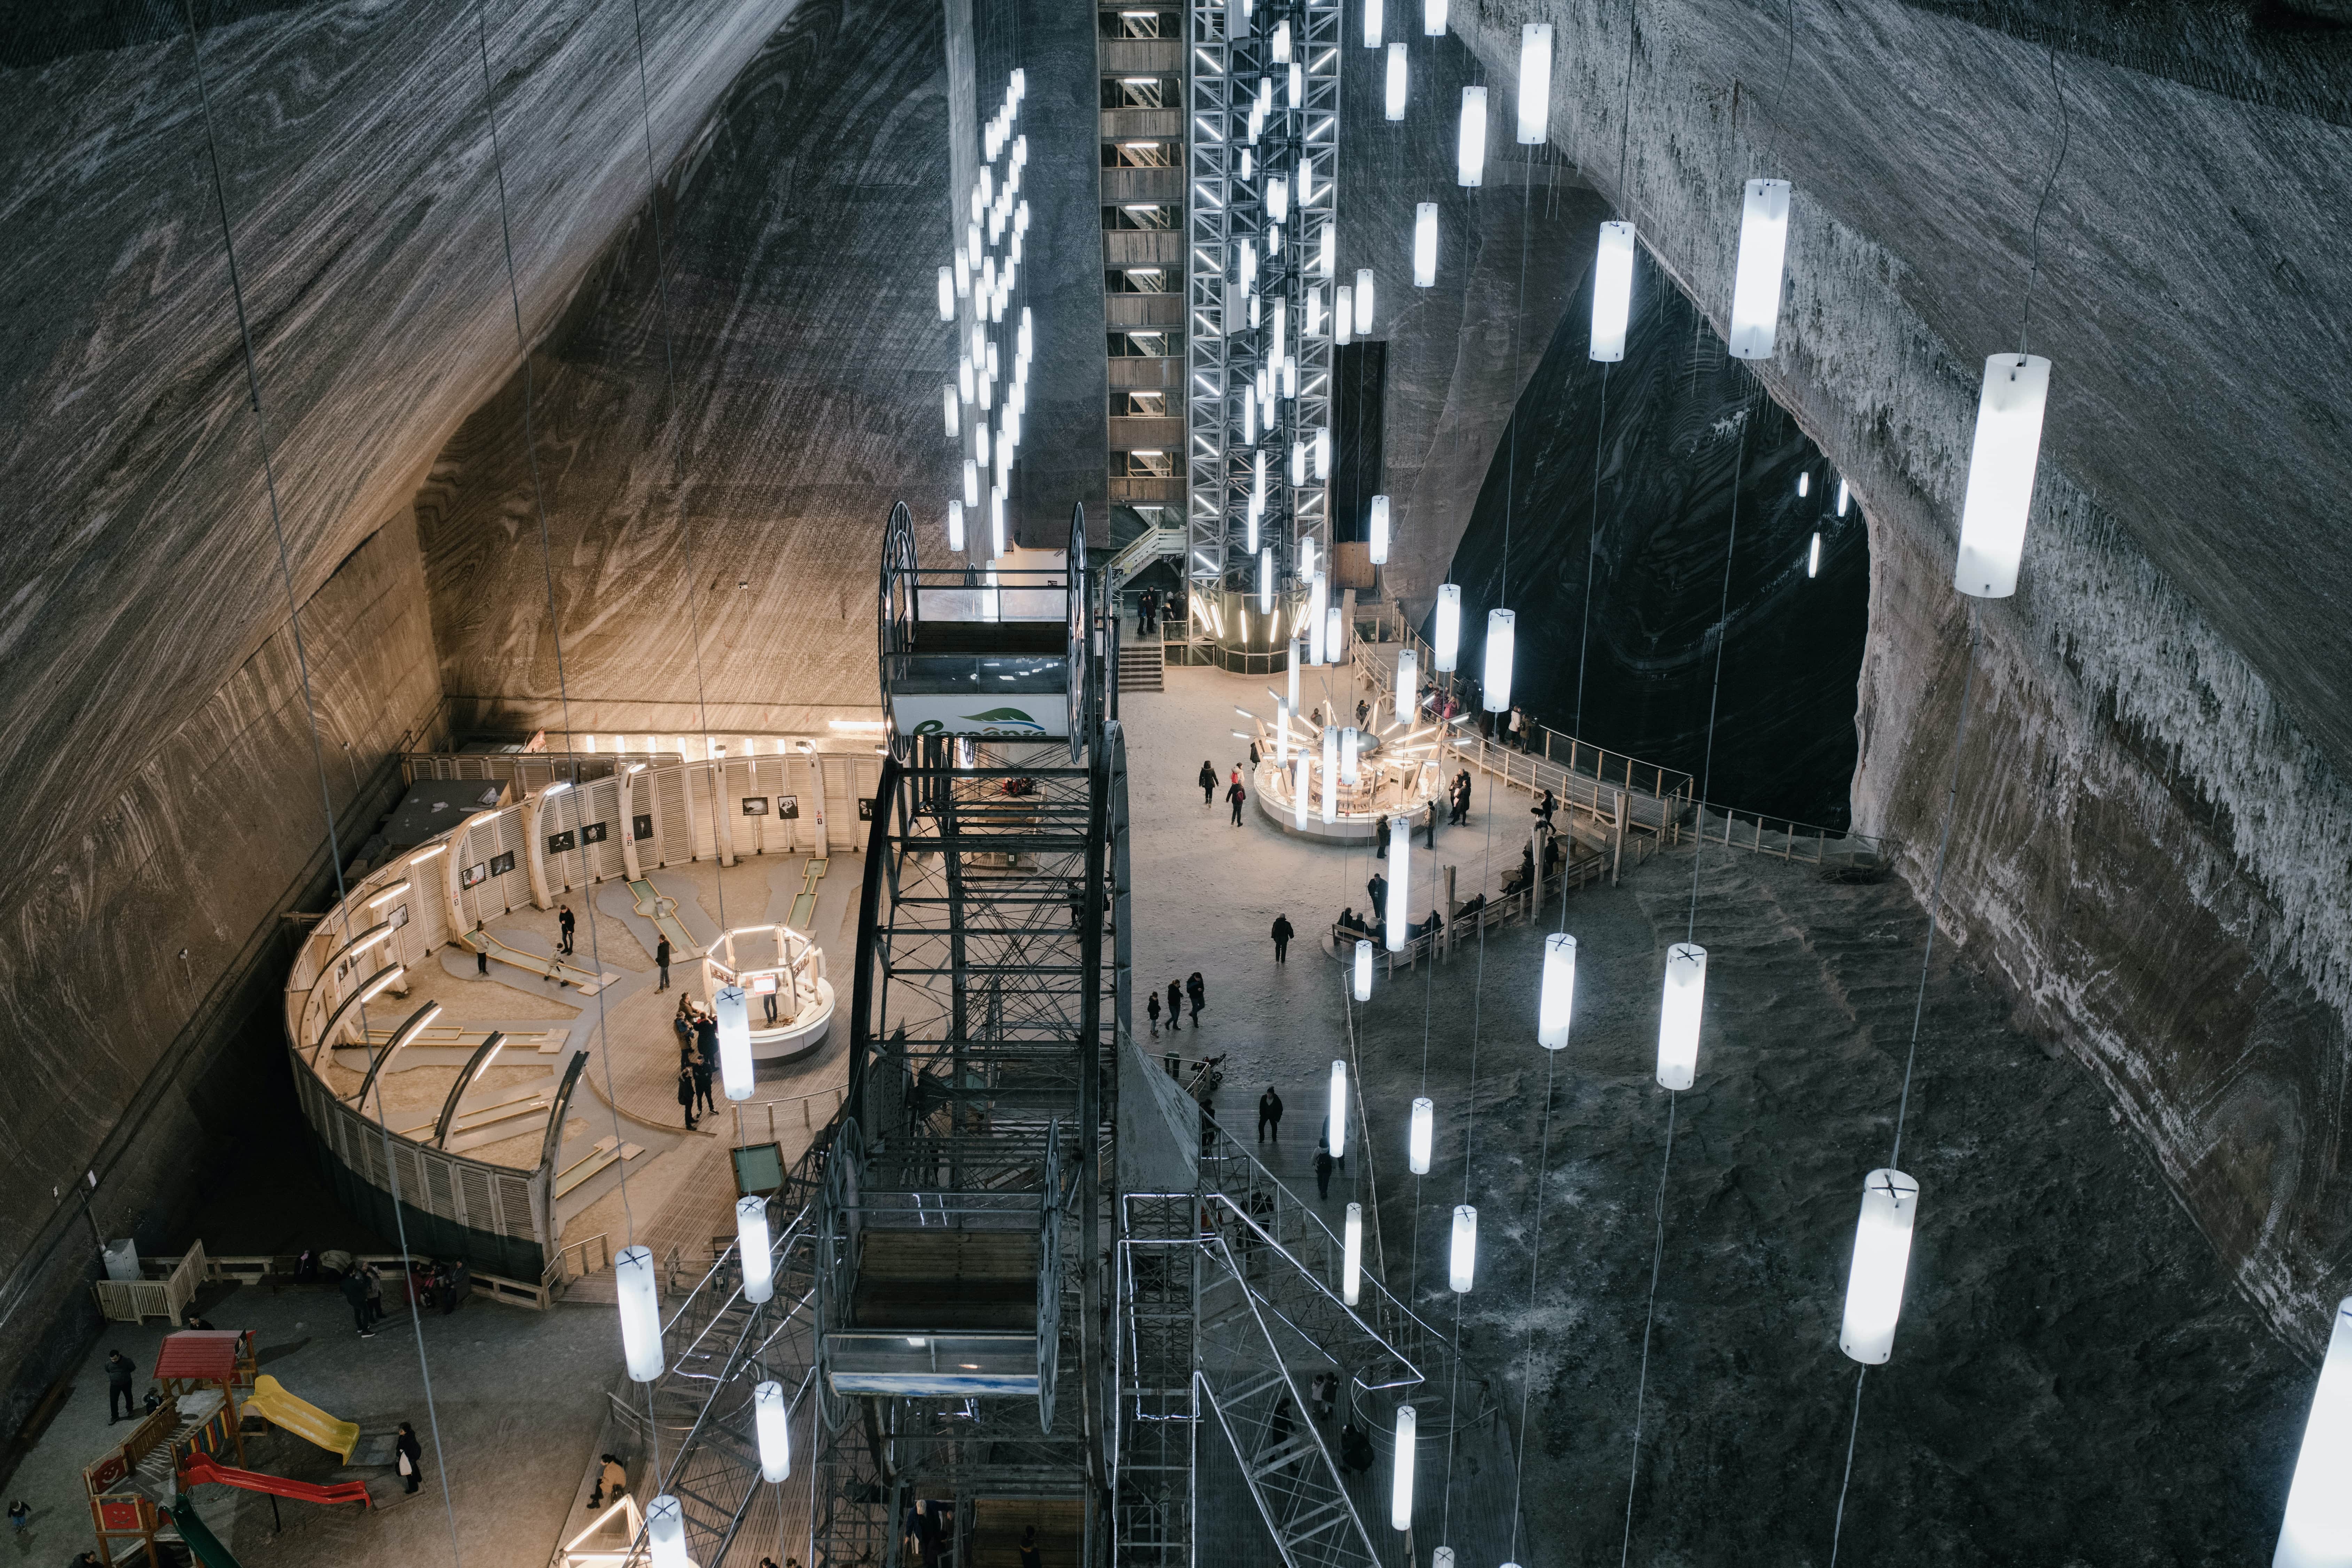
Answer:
(120, 1375)
(1208, 784)
(1236, 794)
(705, 1040)
(1151, 1006)
(564, 924)
(1379, 889)
(411, 1457)
(481, 950)
(355, 1291)
(661, 961)
(1543, 809)
(1254, 757)
(1282, 934)
(685, 1095)
(1429, 820)
(1198, 990)
(702, 1073)
(1176, 1005)
(1269, 1115)
(1322, 1172)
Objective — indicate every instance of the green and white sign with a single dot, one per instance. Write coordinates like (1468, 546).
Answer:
(1035, 716)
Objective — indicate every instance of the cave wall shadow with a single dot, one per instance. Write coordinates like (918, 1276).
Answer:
(1617, 626)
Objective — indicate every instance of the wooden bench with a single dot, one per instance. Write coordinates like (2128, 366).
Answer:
(605, 1151)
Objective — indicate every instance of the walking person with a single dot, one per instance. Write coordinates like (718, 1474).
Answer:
(1322, 1170)
(661, 962)
(1543, 809)
(685, 1095)
(1254, 758)
(412, 1456)
(375, 1292)
(120, 1375)
(1176, 1006)
(1152, 1006)
(1269, 1115)
(481, 950)
(1429, 820)
(1236, 794)
(355, 1292)
(1208, 784)
(1198, 990)
(1282, 934)
(564, 922)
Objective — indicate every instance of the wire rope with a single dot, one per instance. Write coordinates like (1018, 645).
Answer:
(310, 711)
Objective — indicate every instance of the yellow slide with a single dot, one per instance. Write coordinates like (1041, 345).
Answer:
(271, 1400)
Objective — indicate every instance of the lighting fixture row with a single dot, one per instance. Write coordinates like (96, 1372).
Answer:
(984, 406)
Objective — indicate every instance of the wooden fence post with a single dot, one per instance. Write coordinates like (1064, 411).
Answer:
(1617, 850)
(1453, 914)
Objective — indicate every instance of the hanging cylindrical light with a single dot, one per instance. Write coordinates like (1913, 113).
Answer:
(1330, 775)
(1350, 742)
(1322, 452)
(1613, 291)
(634, 1287)
(1266, 581)
(1299, 462)
(1422, 1136)
(1678, 1011)
(1392, 85)
(947, 293)
(1363, 969)
(1295, 657)
(1495, 684)
(734, 1041)
(1334, 629)
(1408, 683)
(1882, 1256)
(2000, 475)
(963, 378)
(665, 1532)
(1805, 483)
(1298, 792)
(1380, 530)
(1372, 20)
(1298, 82)
(1432, 18)
(1841, 497)
(1756, 286)
(1401, 886)
(2317, 1529)
(996, 526)
(1442, 1557)
(1343, 317)
(1535, 83)
(955, 526)
(1446, 638)
(752, 1248)
(1326, 250)
(1559, 997)
(775, 1424)
(949, 403)
(1351, 1255)
(1337, 1110)
(1424, 245)
(1400, 1484)
(1461, 1258)
(1281, 731)
(1470, 144)
(971, 482)
(1813, 557)
(1364, 297)
(1319, 589)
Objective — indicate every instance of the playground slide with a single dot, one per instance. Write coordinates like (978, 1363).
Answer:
(271, 1400)
(199, 1536)
(200, 1470)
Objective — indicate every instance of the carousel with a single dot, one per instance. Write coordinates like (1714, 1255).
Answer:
(786, 995)
(1321, 779)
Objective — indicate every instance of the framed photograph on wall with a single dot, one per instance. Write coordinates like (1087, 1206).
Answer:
(502, 864)
(559, 842)
(755, 805)
(865, 808)
(788, 806)
(476, 874)
(399, 916)
(641, 828)
(592, 834)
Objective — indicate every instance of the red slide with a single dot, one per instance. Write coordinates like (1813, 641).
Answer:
(200, 1469)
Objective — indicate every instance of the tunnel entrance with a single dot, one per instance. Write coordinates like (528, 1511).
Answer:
(1617, 625)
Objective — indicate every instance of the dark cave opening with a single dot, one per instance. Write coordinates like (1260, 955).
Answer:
(1617, 640)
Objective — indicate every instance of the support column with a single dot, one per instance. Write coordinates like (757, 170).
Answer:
(533, 808)
(629, 824)
(723, 819)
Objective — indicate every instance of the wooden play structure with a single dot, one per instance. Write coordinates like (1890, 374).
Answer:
(131, 1486)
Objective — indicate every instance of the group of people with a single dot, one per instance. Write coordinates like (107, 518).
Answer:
(697, 1057)
(1192, 989)
(1234, 793)
(1151, 606)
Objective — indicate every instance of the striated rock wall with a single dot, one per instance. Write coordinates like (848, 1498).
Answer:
(153, 747)
(2154, 830)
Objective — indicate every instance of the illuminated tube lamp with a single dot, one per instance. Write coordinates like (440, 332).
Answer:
(955, 526)
(1613, 291)
(1496, 682)
(1401, 864)
(1351, 1265)
(1380, 530)
(1393, 84)
(1294, 661)
(752, 1248)
(1322, 452)
(388, 893)
(1266, 581)
(1756, 286)
(734, 1041)
(634, 1287)
(2317, 1529)
(1364, 297)
(1558, 998)
(1351, 749)
(947, 293)
(2000, 475)
(1298, 789)
(1813, 557)
(1424, 245)
(971, 482)
(1421, 1135)
(775, 1424)
(1333, 626)
(1330, 775)
(1400, 1483)
(1804, 484)
(1535, 83)
(1462, 1257)
(1297, 94)
(1408, 681)
(665, 1532)
(1363, 969)
(1343, 317)
(1841, 498)
(1470, 144)
(948, 403)
(1432, 18)
(1338, 1110)
(1447, 641)
(1372, 19)
(1678, 1013)
(1882, 1256)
